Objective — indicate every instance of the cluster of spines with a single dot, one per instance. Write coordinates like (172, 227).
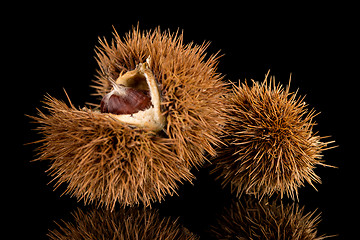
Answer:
(103, 160)
(271, 144)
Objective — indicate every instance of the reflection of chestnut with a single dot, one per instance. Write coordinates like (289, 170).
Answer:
(126, 101)
(130, 223)
(267, 219)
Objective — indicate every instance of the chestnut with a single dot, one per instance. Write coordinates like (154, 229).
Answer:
(125, 100)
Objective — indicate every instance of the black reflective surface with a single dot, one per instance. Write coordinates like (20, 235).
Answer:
(315, 50)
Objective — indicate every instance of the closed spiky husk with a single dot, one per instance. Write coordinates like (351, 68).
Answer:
(271, 143)
(124, 224)
(251, 219)
(105, 160)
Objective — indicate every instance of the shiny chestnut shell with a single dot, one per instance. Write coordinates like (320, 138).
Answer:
(132, 101)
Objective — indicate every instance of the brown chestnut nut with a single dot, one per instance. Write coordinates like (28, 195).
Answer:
(135, 99)
(125, 100)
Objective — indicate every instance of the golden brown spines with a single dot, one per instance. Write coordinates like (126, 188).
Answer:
(271, 143)
(105, 160)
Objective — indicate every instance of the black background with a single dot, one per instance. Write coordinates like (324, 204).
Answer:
(54, 49)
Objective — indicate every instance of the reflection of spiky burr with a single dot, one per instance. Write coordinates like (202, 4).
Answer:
(272, 146)
(250, 219)
(162, 110)
(124, 224)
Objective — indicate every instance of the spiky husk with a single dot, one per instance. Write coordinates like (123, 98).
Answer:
(193, 93)
(106, 161)
(272, 146)
(250, 219)
(124, 224)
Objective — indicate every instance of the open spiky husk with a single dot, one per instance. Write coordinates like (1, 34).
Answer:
(192, 92)
(131, 223)
(105, 160)
(271, 144)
